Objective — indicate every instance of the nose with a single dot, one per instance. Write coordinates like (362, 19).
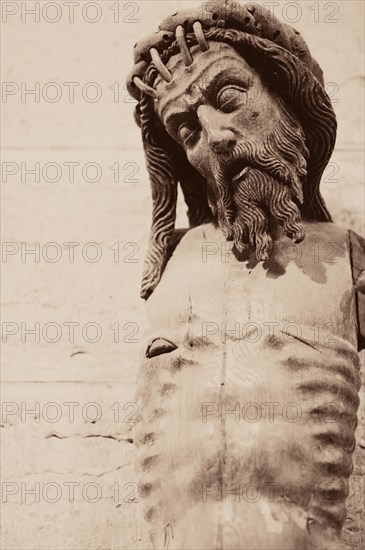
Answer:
(214, 124)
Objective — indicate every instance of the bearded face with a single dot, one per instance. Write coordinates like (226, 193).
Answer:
(242, 139)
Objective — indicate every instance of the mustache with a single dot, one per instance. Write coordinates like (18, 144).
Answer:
(251, 155)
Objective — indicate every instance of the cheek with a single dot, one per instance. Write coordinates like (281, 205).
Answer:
(255, 120)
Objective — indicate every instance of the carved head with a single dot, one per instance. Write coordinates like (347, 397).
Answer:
(231, 106)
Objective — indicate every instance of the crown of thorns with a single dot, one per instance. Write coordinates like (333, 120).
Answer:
(184, 50)
(250, 18)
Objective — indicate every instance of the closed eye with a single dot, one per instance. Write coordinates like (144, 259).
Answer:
(231, 98)
(188, 133)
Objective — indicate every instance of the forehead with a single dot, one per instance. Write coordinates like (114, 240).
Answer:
(220, 62)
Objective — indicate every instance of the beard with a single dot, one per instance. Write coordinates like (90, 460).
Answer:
(259, 188)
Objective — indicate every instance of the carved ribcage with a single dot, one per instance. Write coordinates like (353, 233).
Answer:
(247, 444)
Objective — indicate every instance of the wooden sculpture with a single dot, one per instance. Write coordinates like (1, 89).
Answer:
(248, 387)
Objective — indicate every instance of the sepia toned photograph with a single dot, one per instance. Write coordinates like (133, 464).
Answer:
(182, 275)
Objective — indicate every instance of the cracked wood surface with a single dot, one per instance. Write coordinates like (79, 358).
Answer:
(177, 379)
(107, 292)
